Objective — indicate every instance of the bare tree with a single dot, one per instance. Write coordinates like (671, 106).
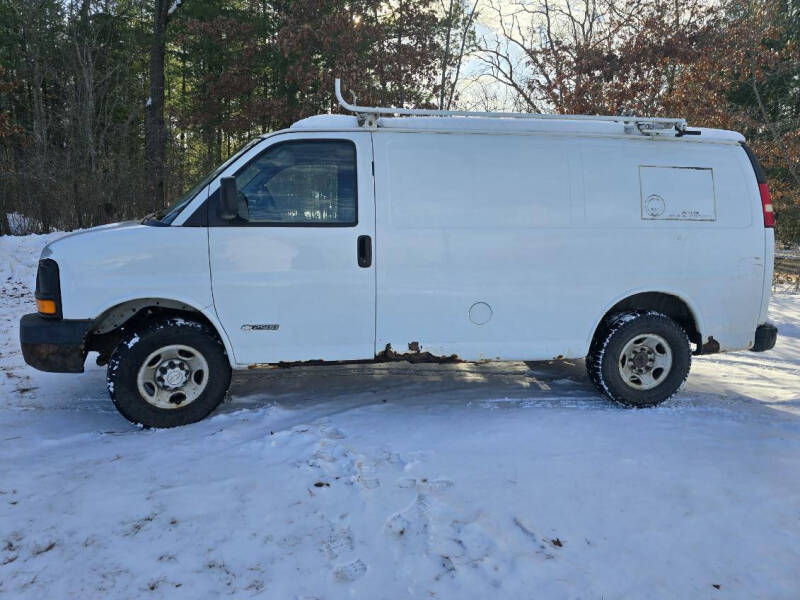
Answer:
(155, 126)
(459, 42)
(756, 30)
(588, 55)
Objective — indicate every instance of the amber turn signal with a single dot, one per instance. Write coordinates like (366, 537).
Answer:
(46, 307)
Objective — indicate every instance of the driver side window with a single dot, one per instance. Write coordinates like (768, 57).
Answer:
(309, 182)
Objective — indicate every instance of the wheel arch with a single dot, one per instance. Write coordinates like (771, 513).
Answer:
(674, 305)
(107, 327)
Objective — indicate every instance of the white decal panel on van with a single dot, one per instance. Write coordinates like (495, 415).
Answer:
(677, 193)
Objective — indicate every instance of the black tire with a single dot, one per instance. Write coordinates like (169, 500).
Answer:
(605, 354)
(138, 343)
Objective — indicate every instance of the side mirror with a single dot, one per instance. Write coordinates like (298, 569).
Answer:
(228, 205)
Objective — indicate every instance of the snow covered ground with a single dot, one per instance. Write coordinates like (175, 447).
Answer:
(400, 481)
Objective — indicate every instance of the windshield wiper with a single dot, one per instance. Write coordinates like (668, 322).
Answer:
(154, 218)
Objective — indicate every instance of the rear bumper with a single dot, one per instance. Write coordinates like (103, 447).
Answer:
(55, 346)
(766, 335)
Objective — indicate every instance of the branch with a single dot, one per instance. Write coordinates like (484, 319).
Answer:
(464, 35)
(176, 4)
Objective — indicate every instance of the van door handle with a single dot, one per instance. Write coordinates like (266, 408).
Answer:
(364, 251)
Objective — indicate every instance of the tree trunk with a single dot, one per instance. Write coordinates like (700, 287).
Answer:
(446, 56)
(155, 131)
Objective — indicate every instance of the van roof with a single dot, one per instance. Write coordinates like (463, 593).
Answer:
(503, 125)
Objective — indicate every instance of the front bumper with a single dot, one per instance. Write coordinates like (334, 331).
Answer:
(766, 335)
(54, 345)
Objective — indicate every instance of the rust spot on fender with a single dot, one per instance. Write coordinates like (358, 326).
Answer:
(386, 355)
(415, 356)
(299, 363)
(314, 362)
(710, 347)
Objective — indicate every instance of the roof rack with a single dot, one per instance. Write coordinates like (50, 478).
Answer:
(368, 116)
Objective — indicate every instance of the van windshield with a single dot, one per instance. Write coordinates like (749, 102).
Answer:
(167, 215)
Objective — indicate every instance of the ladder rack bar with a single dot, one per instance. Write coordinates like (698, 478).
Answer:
(665, 122)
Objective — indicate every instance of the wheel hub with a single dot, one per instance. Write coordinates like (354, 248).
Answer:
(172, 374)
(642, 359)
(645, 361)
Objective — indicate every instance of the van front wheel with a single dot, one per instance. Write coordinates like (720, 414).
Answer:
(639, 359)
(168, 372)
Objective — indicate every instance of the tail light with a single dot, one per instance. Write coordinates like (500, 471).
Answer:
(766, 205)
(763, 188)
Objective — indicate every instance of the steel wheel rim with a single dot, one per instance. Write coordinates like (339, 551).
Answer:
(645, 361)
(172, 377)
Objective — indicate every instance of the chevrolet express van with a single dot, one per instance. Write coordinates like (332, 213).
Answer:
(633, 242)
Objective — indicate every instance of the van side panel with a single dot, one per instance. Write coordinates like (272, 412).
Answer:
(513, 246)
(712, 257)
(471, 243)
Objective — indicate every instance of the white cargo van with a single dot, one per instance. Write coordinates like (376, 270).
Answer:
(632, 242)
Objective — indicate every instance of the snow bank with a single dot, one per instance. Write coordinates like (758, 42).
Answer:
(403, 481)
(19, 257)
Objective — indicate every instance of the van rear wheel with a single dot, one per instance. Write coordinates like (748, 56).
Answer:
(168, 372)
(639, 359)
